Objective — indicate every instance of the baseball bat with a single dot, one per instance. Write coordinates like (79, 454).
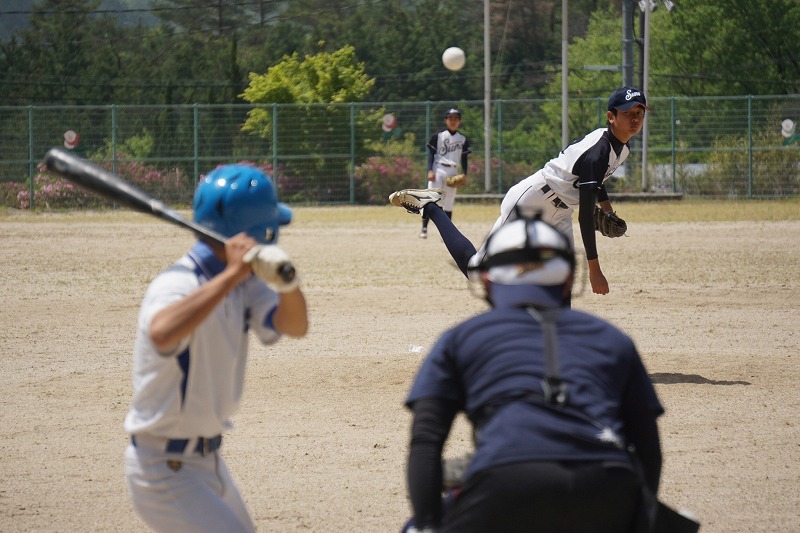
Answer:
(100, 181)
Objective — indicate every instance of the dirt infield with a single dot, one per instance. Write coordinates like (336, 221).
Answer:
(320, 440)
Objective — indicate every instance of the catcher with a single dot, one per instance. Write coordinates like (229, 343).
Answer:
(447, 148)
(573, 179)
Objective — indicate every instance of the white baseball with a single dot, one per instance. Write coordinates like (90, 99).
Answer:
(454, 58)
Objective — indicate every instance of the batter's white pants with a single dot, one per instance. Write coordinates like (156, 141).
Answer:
(200, 496)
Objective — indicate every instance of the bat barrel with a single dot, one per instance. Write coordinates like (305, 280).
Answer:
(100, 181)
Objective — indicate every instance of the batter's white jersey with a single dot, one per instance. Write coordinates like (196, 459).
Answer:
(447, 151)
(195, 389)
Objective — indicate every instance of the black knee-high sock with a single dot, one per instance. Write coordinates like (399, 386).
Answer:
(458, 245)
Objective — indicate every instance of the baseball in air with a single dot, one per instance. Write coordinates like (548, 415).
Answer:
(454, 58)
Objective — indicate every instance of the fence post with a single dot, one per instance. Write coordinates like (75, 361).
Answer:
(114, 138)
(275, 143)
(427, 136)
(30, 157)
(499, 105)
(672, 134)
(352, 153)
(196, 141)
(749, 145)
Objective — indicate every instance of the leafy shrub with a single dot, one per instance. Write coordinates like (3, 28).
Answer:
(394, 168)
(513, 172)
(735, 169)
(51, 192)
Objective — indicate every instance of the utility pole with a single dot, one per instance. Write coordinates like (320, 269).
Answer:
(564, 73)
(627, 42)
(487, 100)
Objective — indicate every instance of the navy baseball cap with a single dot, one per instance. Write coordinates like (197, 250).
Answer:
(453, 111)
(626, 98)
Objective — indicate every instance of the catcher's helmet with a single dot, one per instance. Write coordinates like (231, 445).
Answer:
(240, 198)
(526, 261)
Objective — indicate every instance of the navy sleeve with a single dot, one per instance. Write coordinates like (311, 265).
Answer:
(641, 408)
(602, 194)
(429, 429)
(432, 149)
(465, 156)
(586, 203)
(642, 431)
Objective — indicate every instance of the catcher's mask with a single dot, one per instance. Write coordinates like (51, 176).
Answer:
(524, 262)
(240, 198)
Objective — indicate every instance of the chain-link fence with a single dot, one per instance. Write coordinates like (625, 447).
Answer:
(359, 153)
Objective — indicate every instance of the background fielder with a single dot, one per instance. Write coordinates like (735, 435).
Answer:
(447, 149)
(191, 350)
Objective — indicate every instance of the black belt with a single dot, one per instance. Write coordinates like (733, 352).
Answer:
(556, 200)
(203, 446)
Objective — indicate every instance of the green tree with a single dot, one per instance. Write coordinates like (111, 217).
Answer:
(317, 131)
(220, 17)
(727, 47)
(64, 56)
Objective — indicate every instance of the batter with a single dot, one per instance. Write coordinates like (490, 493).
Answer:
(190, 355)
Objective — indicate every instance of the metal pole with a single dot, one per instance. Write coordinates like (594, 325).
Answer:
(487, 100)
(564, 73)
(645, 88)
(627, 43)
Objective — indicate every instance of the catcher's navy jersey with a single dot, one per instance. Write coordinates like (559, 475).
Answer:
(499, 354)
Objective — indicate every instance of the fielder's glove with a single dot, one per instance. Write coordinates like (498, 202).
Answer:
(273, 265)
(457, 181)
(609, 224)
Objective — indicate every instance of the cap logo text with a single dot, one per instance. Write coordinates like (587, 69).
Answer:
(630, 95)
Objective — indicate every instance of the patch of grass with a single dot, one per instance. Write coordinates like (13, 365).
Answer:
(312, 216)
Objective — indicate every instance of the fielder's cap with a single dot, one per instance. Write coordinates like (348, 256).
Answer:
(626, 98)
(453, 111)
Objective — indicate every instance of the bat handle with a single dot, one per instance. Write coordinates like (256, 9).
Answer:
(287, 272)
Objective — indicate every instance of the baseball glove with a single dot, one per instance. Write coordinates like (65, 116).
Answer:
(457, 181)
(609, 224)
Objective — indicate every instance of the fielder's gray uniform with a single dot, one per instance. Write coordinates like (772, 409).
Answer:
(446, 151)
(183, 400)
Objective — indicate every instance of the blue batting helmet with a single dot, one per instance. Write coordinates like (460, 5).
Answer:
(240, 198)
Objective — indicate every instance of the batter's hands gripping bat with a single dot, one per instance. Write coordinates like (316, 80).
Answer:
(102, 182)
